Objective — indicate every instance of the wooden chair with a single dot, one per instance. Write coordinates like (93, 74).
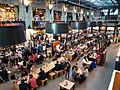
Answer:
(44, 82)
(52, 75)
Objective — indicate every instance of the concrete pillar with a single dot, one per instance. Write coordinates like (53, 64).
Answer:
(49, 15)
(64, 16)
(74, 16)
(26, 16)
(81, 17)
(118, 14)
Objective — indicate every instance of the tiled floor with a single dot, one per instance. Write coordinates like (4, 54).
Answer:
(98, 79)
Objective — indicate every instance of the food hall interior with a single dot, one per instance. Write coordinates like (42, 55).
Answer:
(59, 44)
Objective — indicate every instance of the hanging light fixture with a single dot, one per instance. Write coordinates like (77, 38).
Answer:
(11, 34)
(26, 2)
(75, 9)
(91, 24)
(57, 28)
(65, 8)
(50, 6)
(78, 25)
(99, 23)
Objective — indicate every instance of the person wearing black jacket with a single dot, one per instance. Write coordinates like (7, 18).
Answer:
(42, 75)
(57, 66)
(23, 85)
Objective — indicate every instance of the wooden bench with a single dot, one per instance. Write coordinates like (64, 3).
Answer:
(36, 88)
(44, 82)
(61, 72)
(52, 75)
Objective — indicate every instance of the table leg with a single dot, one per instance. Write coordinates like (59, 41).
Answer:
(74, 87)
(60, 88)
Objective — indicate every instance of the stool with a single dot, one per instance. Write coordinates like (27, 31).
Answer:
(36, 88)
(57, 73)
(61, 72)
(52, 75)
(44, 82)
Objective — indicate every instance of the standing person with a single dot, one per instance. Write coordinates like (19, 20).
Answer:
(67, 70)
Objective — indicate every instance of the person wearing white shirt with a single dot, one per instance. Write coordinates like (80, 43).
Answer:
(85, 61)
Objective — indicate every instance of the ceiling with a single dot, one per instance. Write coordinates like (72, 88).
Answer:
(95, 4)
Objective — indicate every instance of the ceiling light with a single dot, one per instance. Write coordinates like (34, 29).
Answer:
(65, 8)
(75, 10)
(26, 2)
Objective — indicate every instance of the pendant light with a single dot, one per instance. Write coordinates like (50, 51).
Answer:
(11, 34)
(91, 24)
(78, 25)
(57, 27)
(99, 23)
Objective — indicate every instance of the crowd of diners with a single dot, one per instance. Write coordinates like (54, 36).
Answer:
(24, 59)
(81, 71)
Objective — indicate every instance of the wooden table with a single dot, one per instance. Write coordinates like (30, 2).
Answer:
(79, 71)
(59, 60)
(70, 56)
(48, 67)
(66, 84)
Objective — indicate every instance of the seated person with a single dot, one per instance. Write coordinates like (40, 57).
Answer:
(42, 75)
(23, 85)
(81, 78)
(57, 66)
(4, 74)
(75, 66)
(74, 74)
(92, 65)
(85, 71)
(32, 81)
(24, 73)
(85, 61)
(75, 55)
